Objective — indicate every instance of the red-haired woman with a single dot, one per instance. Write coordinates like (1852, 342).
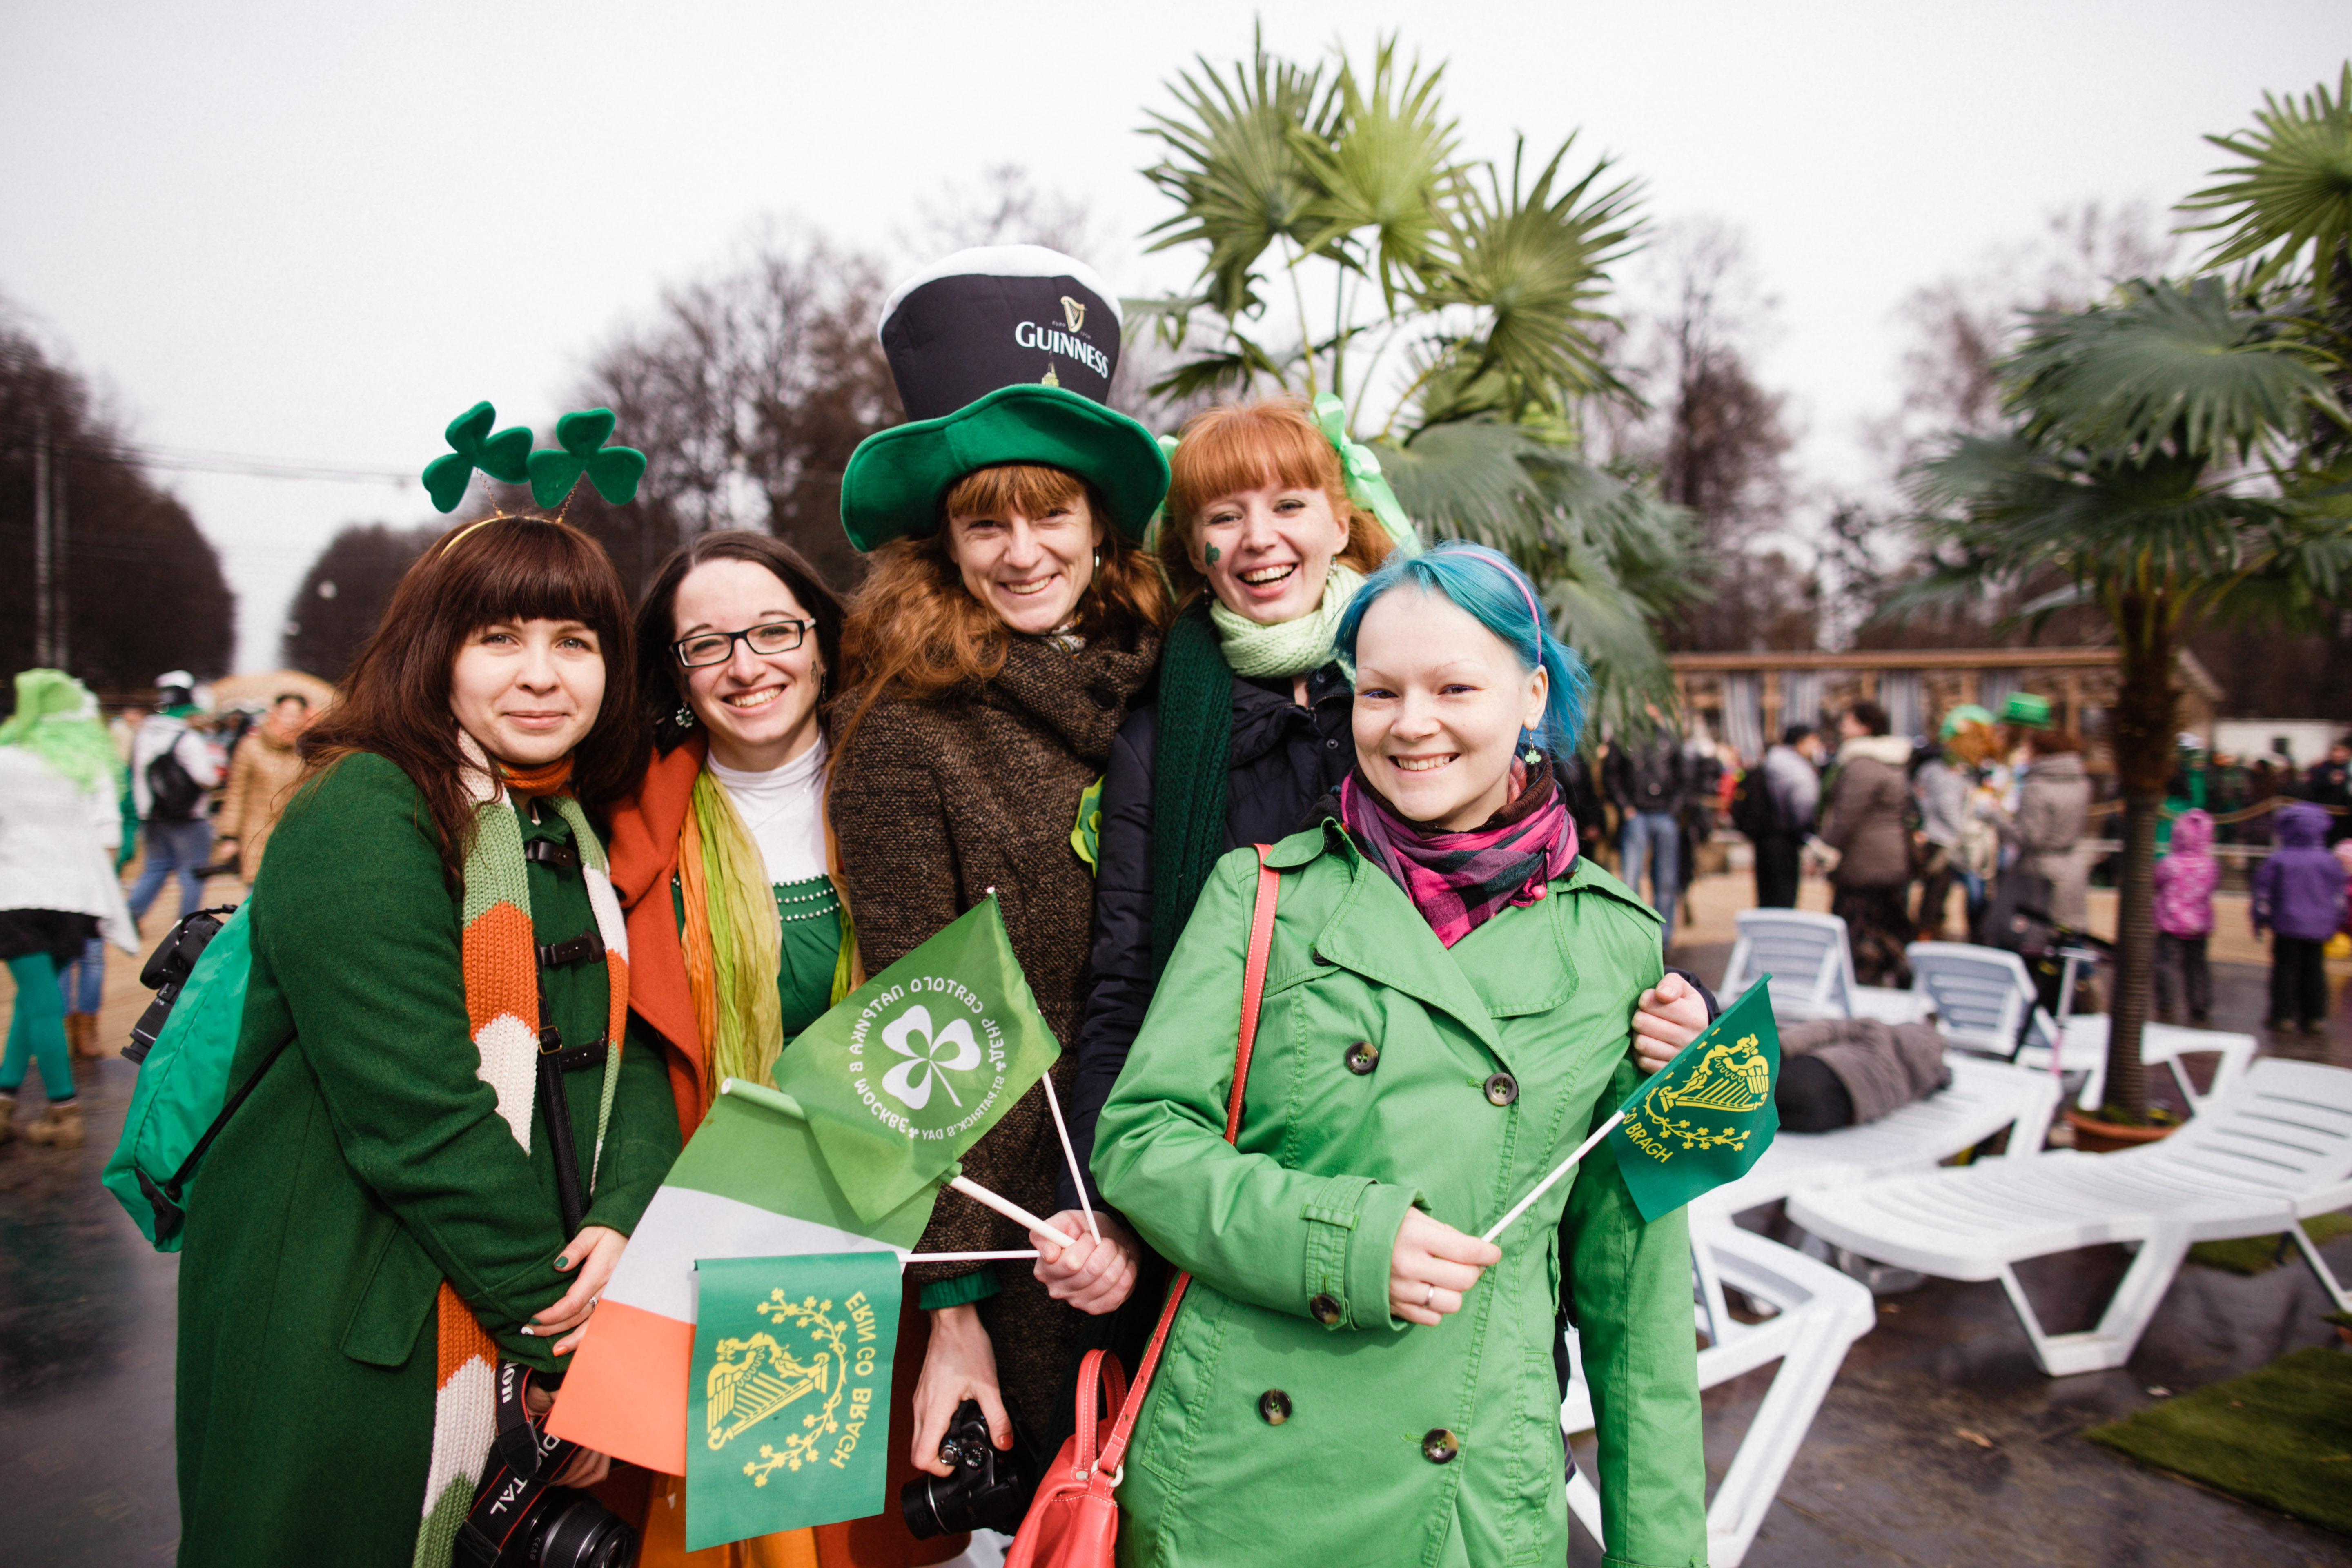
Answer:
(447, 1144)
(1008, 624)
(1264, 547)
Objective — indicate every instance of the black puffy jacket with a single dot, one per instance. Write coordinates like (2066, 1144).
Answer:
(1284, 759)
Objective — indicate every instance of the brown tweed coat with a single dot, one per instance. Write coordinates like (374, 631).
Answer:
(934, 803)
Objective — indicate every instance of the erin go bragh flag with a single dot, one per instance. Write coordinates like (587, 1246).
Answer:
(1706, 1117)
(788, 1418)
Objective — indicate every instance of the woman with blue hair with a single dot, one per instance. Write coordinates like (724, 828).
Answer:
(1352, 1375)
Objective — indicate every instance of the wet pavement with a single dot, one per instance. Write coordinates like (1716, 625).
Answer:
(1940, 1442)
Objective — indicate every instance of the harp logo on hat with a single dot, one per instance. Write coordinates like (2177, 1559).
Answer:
(1073, 312)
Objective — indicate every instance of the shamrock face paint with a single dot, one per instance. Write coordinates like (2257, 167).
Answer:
(1213, 554)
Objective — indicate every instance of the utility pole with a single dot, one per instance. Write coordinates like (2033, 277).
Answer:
(42, 566)
(60, 579)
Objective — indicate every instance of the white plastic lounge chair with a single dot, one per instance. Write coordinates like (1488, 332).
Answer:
(1981, 997)
(2274, 1149)
(1984, 1097)
(1805, 954)
(1819, 1312)
(2159, 1045)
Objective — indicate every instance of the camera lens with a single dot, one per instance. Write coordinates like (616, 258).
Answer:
(583, 1534)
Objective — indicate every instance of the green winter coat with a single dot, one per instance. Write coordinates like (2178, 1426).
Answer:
(370, 1164)
(1401, 1445)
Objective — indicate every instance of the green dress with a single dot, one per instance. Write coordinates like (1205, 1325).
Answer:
(370, 1164)
(811, 915)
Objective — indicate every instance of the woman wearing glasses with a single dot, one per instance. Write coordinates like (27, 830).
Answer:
(738, 938)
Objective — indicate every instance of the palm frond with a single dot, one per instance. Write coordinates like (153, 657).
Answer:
(2164, 369)
(1385, 176)
(2292, 192)
(1535, 266)
(1233, 167)
(1607, 556)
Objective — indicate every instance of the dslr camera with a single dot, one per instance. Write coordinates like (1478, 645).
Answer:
(518, 1520)
(988, 1489)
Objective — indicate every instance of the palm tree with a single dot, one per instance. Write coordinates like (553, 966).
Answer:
(1346, 248)
(2145, 462)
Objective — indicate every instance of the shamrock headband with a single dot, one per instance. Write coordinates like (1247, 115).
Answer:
(580, 450)
(1359, 469)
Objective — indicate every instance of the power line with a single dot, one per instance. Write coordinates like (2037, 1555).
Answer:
(195, 459)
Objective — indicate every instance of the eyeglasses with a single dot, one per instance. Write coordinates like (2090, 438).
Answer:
(718, 647)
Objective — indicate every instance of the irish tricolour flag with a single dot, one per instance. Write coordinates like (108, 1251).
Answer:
(752, 1183)
(873, 1104)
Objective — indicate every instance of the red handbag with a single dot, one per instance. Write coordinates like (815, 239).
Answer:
(1074, 1521)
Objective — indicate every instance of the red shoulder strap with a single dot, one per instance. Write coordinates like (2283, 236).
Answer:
(1261, 946)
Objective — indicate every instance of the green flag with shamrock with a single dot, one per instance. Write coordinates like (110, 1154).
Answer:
(1706, 1117)
(914, 1067)
(788, 1412)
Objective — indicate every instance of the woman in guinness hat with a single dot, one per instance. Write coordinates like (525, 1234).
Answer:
(1009, 623)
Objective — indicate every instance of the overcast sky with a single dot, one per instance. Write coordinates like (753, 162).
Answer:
(317, 232)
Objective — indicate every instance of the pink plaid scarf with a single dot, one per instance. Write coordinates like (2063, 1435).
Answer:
(1460, 880)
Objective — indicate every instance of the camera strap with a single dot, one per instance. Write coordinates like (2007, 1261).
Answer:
(523, 1456)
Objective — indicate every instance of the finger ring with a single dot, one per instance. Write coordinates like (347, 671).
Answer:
(1429, 1295)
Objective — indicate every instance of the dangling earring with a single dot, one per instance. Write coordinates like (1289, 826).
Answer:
(685, 717)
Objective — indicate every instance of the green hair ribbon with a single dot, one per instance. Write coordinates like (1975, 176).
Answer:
(1367, 487)
(503, 457)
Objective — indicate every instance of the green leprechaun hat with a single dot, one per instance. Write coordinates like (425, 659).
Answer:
(2027, 711)
(1002, 354)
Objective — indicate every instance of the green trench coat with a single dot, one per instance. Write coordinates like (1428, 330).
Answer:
(1399, 1445)
(370, 1164)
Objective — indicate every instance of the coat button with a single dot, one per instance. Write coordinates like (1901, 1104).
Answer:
(1439, 1447)
(1325, 1311)
(1316, 955)
(1362, 1058)
(1502, 1088)
(1273, 1407)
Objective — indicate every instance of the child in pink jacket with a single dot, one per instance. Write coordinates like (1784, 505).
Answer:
(2184, 916)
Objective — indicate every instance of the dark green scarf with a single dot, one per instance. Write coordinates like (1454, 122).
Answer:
(1189, 788)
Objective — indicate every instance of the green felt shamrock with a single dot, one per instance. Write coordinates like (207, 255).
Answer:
(614, 471)
(505, 456)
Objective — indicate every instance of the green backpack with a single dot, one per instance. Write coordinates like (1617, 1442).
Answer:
(182, 1101)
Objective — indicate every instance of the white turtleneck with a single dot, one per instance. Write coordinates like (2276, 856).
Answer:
(784, 809)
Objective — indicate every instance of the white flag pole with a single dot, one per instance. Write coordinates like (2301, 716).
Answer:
(1545, 1185)
(1077, 1175)
(1008, 1208)
(906, 1258)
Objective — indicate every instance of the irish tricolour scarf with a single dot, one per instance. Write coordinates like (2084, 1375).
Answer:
(809, 1193)
(501, 960)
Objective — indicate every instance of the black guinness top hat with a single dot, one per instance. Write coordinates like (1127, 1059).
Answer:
(1002, 355)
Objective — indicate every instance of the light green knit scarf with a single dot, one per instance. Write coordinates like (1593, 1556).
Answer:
(1291, 648)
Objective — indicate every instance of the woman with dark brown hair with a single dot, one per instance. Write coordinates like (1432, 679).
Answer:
(1009, 624)
(737, 935)
(440, 1173)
